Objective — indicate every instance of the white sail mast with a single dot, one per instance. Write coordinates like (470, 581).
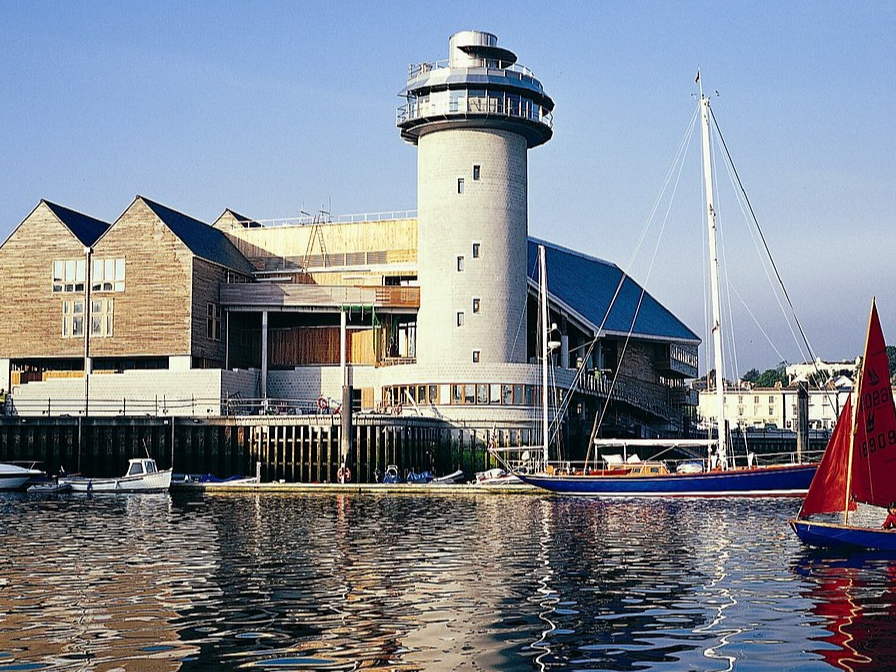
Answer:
(715, 298)
(543, 305)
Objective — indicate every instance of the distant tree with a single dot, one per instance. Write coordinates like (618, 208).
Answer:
(770, 377)
(751, 376)
(891, 356)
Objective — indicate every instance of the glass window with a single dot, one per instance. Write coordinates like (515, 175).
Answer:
(530, 393)
(476, 304)
(518, 399)
(476, 173)
(476, 357)
(476, 250)
(433, 394)
(507, 394)
(460, 319)
(481, 393)
(494, 394)
(213, 322)
(108, 275)
(457, 394)
(460, 263)
(469, 394)
(460, 185)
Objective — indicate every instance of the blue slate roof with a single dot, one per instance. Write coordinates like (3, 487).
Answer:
(587, 284)
(203, 240)
(86, 229)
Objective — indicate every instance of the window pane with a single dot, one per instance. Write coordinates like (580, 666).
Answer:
(78, 325)
(469, 394)
(482, 394)
(97, 274)
(79, 270)
(119, 269)
(457, 392)
(507, 395)
(58, 269)
(433, 394)
(69, 270)
(518, 395)
(77, 307)
(108, 269)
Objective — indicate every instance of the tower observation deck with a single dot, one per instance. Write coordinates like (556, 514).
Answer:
(479, 84)
(473, 119)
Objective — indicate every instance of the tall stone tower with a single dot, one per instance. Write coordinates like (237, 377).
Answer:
(473, 118)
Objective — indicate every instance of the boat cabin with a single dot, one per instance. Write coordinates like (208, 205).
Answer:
(142, 466)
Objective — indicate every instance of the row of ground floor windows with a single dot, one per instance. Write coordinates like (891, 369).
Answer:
(462, 393)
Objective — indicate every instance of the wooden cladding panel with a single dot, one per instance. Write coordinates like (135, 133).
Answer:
(152, 315)
(292, 241)
(30, 313)
(318, 345)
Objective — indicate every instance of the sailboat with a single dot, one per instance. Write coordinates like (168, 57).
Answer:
(859, 464)
(718, 477)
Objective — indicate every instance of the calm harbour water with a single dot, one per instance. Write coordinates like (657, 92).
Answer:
(438, 582)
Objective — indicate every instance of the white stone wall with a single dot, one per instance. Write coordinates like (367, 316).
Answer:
(197, 392)
(492, 211)
(4, 374)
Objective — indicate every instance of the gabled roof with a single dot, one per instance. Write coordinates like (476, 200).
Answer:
(247, 222)
(587, 285)
(203, 240)
(85, 228)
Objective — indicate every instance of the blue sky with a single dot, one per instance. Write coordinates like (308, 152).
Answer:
(273, 107)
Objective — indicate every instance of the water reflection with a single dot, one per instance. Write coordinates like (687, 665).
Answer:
(386, 582)
(854, 597)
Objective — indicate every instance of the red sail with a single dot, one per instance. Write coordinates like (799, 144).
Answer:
(827, 493)
(874, 451)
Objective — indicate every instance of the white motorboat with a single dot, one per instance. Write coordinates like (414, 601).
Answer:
(14, 476)
(142, 476)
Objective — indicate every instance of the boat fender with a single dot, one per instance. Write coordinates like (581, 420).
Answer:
(322, 403)
(344, 474)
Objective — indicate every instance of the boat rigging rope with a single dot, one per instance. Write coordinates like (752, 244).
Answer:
(675, 170)
(746, 199)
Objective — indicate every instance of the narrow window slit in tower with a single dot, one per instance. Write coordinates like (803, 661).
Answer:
(460, 185)
(475, 173)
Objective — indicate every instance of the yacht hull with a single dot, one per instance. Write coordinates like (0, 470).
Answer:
(774, 481)
(832, 535)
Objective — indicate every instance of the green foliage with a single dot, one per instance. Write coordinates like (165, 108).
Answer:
(769, 377)
(751, 376)
(891, 356)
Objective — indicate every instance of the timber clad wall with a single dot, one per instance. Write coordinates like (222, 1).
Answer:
(30, 313)
(207, 279)
(152, 315)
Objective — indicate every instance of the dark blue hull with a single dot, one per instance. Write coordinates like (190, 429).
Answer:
(783, 481)
(831, 535)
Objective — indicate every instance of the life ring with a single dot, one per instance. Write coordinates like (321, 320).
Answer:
(344, 474)
(322, 403)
